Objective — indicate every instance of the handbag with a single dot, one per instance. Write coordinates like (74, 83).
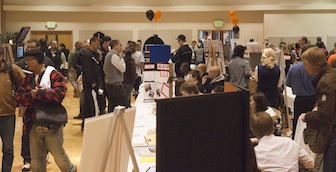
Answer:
(47, 114)
(318, 138)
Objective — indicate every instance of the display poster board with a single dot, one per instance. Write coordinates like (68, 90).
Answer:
(159, 53)
(217, 47)
(254, 48)
(155, 81)
(8, 52)
(207, 132)
(96, 138)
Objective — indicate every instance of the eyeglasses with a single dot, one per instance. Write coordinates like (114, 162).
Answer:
(30, 58)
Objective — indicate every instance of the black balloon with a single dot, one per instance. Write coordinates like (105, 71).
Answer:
(150, 15)
(235, 29)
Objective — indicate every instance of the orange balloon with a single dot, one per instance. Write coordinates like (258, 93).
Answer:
(235, 21)
(157, 15)
(232, 14)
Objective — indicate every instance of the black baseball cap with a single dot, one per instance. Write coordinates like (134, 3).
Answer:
(181, 38)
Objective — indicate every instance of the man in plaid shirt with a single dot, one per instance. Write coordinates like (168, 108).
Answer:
(29, 94)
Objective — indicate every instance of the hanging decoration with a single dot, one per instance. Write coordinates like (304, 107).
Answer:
(235, 21)
(235, 29)
(232, 14)
(157, 15)
(150, 15)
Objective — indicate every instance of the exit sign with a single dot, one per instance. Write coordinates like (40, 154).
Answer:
(51, 24)
(218, 23)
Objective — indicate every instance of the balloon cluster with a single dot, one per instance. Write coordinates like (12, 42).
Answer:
(235, 21)
(153, 14)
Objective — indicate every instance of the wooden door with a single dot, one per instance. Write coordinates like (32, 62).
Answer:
(64, 37)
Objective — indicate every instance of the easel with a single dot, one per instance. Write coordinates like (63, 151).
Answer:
(212, 56)
(119, 120)
(216, 55)
(8, 52)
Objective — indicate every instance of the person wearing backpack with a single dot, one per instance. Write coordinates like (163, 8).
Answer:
(10, 77)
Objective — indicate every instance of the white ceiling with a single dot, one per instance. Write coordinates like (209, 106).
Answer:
(167, 5)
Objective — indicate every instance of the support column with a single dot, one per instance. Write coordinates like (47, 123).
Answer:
(2, 18)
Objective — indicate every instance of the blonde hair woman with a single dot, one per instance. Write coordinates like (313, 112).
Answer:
(267, 74)
(268, 58)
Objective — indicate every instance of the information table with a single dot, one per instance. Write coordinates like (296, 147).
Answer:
(145, 123)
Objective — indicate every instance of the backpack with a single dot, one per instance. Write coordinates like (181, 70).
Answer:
(11, 76)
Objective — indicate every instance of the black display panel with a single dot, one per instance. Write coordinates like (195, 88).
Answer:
(22, 34)
(204, 133)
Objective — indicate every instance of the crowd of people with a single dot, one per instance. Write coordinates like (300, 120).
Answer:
(100, 69)
(307, 69)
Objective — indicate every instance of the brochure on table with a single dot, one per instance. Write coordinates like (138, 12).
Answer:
(155, 77)
(144, 125)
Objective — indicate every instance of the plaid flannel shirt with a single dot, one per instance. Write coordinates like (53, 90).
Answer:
(53, 95)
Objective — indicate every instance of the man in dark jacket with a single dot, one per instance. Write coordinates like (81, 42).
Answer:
(57, 56)
(130, 73)
(65, 50)
(91, 79)
(183, 54)
(77, 63)
(216, 79)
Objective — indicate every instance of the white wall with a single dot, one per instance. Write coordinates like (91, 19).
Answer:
(251, 24)
(294, 24)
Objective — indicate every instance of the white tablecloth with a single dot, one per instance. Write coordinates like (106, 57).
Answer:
(145, 120)
(290, 98)
(300, 126)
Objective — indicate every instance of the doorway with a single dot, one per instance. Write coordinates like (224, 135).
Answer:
(222, 35)
(64, 37)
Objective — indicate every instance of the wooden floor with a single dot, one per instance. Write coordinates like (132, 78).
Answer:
(72, 136)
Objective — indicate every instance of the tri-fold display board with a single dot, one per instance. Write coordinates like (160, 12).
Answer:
(155, 81)
(204, 133)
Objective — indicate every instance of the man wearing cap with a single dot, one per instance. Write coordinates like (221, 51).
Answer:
(183, 54)
(32, 92)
